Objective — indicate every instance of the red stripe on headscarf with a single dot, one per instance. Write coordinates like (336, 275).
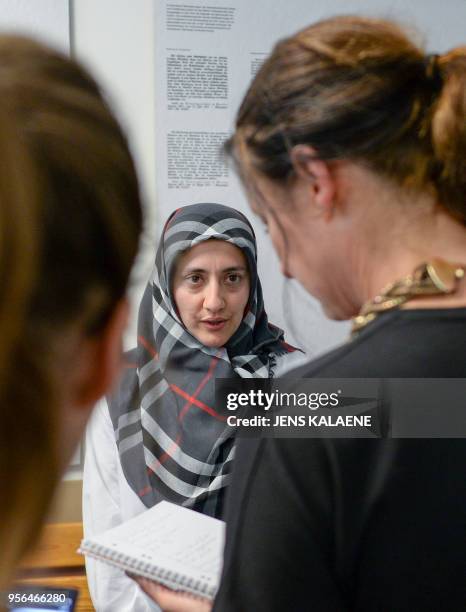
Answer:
(149, 348)
(193, 401)
(199, 388)
(145, 491)
(170, 219)
(168, 454)
(288, 347)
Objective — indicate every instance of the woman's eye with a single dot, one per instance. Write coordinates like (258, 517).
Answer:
(194, 279)
(234, 279)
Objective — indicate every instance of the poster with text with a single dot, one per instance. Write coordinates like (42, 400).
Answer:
(206, 55)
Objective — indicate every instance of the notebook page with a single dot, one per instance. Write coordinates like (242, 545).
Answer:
(172, 538)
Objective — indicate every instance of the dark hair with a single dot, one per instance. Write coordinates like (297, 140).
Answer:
(69, 233)
(360, 89)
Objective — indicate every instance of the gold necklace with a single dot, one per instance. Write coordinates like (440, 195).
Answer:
(436, 277)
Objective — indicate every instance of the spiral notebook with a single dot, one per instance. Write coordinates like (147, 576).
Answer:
(177, 547)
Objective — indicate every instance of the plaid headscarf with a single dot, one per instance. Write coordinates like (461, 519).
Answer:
(173, 444)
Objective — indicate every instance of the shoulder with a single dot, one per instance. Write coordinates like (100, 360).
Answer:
(100, 420)
(405, 343)
(100, 441)
(289, 361)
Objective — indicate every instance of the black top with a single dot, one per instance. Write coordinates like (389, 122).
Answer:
(355, 524)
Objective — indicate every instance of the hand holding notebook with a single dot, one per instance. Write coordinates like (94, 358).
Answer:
(173, 601)
(169, 544)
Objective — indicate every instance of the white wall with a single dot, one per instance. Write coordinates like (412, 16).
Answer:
(47, 21)
(115, 39)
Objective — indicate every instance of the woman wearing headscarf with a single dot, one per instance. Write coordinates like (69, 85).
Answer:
(161, 436)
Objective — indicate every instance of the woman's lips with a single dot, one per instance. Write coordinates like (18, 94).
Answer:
(214, 324)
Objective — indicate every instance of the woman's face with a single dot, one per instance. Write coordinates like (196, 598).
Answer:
(309, 247)
(289, 232)
(211, 290)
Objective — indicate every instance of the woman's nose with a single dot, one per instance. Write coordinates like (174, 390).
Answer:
(213, 298)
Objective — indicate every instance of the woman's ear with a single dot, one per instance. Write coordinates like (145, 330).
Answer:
(317, 176)
(101, 358)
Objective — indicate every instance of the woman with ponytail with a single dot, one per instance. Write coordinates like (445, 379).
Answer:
(351, 143)
(70, 219)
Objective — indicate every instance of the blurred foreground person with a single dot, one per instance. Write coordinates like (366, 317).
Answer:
(70, 219)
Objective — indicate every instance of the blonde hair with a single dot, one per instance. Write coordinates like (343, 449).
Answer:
(70, 221)
(360, 89)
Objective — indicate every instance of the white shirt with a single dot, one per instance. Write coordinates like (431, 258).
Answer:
(108, 500)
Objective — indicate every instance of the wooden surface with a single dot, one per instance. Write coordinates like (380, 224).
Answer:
(55, 562)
